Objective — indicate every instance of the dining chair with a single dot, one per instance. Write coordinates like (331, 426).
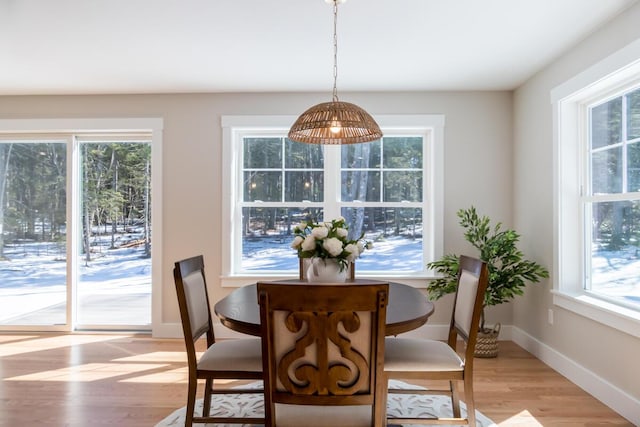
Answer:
(323, 346)
(236, 359)
(422, 359)
(304, 266)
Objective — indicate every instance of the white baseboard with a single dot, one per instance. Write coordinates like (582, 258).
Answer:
(615, 398)
(167, 330)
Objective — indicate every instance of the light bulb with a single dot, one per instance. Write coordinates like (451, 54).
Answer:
(336, 126)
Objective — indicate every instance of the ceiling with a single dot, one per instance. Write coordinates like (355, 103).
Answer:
(172, 46)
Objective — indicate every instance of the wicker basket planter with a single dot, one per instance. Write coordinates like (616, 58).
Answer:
(487, 342)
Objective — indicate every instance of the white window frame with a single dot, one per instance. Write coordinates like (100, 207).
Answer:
(570, 130)
(233, 127)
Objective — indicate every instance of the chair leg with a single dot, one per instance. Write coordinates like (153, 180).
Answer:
(191, 402)
(468, 397)
(206, 403)
(455, 399)
(380, 404)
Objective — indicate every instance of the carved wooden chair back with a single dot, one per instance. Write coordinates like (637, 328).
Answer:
(323, 345)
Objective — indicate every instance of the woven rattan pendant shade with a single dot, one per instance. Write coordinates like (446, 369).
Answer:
(335, 123)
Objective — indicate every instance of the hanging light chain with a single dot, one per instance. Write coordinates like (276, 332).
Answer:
(335, 122)
(335, 50)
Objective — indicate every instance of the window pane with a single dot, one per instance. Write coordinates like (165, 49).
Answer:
(402, 152)
(633, 167)
(33, 283)
(304, 186)
(606, 171)
(402, 186)
(361, 156)
(606, 126)
(265, 186)
(633, 114)
(303, 156)
(615, 251)
(396, 235)
(114, 283)
(263, 153)
(267, 236)
(360, 185)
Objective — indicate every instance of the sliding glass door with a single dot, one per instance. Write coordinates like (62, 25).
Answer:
(75, 218)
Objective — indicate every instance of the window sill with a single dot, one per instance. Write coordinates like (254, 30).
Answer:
(623, 319)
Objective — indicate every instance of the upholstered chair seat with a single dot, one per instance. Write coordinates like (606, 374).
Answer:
(235, 355)
(408, 354)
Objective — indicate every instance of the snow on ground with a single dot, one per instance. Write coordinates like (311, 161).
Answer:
(392, 253)
(33, 277)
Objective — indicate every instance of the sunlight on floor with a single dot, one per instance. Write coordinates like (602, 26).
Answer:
(29, 345)
(179, 375)
(11, 338)
(156, 356)
(88, 372)
(523, 418)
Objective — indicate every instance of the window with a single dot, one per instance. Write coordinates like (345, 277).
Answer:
(597, 148)
(389, 189)
(612, 202)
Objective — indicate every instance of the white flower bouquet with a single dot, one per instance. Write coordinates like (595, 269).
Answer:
(328, 240)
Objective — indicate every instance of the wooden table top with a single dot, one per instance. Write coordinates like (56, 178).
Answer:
(408, 309)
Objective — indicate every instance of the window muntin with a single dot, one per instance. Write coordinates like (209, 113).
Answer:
(612, 203)
(333, 181)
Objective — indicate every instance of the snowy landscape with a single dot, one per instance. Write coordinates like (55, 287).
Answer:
(33, 277)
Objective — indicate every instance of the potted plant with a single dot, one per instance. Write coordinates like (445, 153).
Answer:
(509, 271)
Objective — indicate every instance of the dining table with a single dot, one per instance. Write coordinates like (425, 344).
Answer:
(407, 309)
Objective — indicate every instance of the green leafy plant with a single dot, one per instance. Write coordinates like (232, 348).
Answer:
(509, 272)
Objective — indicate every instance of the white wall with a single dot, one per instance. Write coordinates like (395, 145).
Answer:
(601, 359)
(478, 149)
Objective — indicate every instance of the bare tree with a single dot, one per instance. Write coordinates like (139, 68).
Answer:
(5, 155)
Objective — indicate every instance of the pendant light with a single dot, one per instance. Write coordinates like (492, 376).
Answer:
(335, 122)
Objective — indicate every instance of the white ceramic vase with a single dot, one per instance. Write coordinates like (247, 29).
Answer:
(325, 270)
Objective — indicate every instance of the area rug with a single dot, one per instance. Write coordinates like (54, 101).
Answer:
(410, 405)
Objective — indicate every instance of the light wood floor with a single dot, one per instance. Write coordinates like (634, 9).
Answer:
(128, 380)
